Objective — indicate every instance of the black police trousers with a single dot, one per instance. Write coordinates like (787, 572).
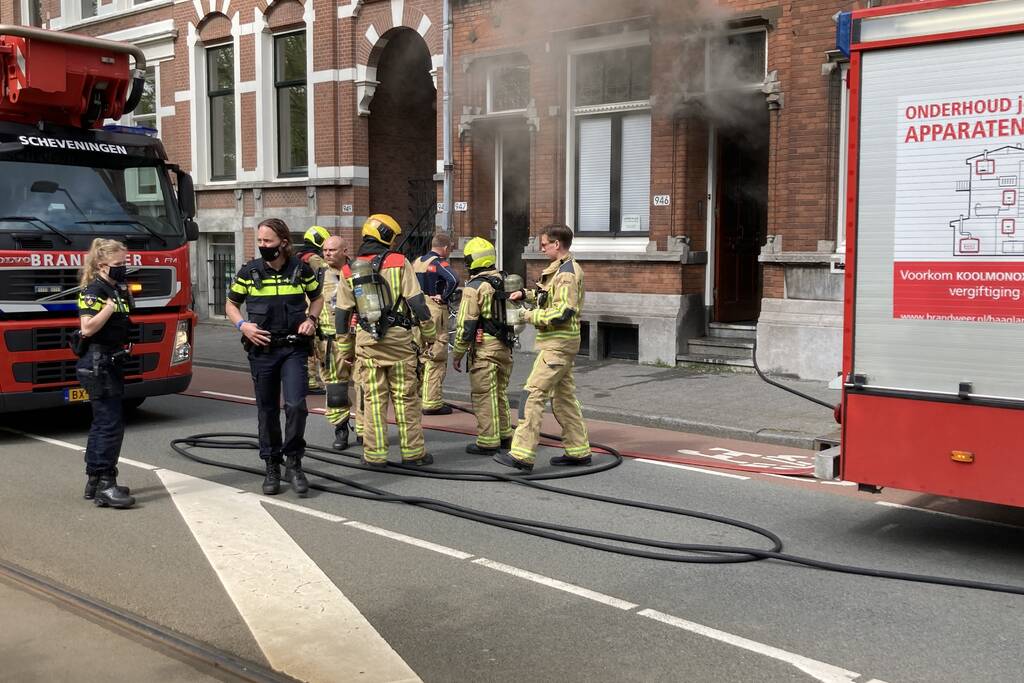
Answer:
(275, 371)
(104, 381)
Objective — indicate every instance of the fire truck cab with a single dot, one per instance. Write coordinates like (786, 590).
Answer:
(64, 182)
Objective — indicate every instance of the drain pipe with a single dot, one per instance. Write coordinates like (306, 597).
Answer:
(446, 20)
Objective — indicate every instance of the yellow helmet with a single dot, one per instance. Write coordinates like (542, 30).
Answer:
(316, 236)
(382, 228)
(479, 253)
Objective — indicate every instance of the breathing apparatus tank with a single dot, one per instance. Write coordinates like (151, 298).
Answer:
(514, 309)
(369, 298)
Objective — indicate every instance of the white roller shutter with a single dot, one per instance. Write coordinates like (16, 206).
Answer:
(636, 172)
(594, 184)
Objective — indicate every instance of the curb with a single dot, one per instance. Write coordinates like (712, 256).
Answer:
(800, 440)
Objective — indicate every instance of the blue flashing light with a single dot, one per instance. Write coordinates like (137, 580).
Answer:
(131, 130)
(844, 32)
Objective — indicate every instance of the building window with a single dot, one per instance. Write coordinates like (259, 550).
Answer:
(89, 8)
(142, 183)
(508, 88)
(290, 87)
(220, 63)
(612, 122)
(35, 13)
(737, 60)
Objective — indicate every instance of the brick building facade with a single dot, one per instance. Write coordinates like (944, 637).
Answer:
(695, 147)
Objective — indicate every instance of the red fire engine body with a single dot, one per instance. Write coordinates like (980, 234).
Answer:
(933, 355)
(64, 182)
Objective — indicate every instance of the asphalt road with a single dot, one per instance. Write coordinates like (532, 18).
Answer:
(457, 600)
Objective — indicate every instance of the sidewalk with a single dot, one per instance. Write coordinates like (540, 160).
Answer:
(699, 399)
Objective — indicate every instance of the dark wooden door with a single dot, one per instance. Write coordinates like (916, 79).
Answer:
(741, 221)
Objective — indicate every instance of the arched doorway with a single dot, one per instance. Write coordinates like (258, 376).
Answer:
(403, 136)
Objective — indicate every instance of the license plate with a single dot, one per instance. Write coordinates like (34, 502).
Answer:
(75, 395)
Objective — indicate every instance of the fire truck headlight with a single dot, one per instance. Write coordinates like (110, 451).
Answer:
(135, 288)
(182, 348)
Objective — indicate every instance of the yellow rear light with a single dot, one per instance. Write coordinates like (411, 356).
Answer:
(135, 287)
(962, 456)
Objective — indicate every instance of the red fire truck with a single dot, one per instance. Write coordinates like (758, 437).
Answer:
(65, 181)
(933, 355)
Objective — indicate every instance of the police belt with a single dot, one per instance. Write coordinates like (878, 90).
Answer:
(109, 348)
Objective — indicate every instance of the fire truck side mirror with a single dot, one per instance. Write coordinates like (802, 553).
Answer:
(191, 230)
(186, 195)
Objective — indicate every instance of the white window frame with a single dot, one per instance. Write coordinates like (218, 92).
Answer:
(617, 242)
(275, 92)
(491, 70)
(71, 11)
(26, 11)
(267, 164)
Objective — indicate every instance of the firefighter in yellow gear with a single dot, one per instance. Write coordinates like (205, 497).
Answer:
(337, 371)
(483, 332)
(438, 282)
(379, 301)
(311, 252)
(559, 298)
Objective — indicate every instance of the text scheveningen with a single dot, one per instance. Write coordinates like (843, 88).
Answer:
(78, 145)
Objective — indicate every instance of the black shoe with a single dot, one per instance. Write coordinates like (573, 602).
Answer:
(443, 410)
(340, 437)
(506, 459)
(316, 391)
(375, 465)
(359, 439)
(109, 494)
(565, 461)
(272, 482)
(425, 459)
(90, 486)
(506, 443)
(476, 449)
(293, 473)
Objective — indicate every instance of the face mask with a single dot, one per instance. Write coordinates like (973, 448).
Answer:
(270, 253)
(118, 273)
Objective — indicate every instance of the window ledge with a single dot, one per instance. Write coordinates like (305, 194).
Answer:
(57, 23)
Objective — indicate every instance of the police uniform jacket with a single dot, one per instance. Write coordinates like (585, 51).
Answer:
(91, 301)
(559, 298)
(275, 299)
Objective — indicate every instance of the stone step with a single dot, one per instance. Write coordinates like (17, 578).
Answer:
(716, 360)
(732, 331)
(728, 348)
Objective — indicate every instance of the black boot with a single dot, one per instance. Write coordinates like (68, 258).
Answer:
(477, 449)
(441, 410)
(109, 494)
(90, 486)
(506, 443)
(272, 482)
(340, 437)
(293, 473)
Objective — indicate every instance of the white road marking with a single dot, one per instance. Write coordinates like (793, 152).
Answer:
(305, 626)
(819, 670)
(556, 584)
(217, 393)
(136, 463)
(965, 518)
(827, 673)
(326, 516)
(692, 469)
(394, 535)
(45, 439)
(808, 480)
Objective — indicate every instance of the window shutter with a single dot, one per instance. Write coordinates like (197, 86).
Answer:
(593, 194)
(636, 171)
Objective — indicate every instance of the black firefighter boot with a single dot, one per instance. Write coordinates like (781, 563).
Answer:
(294, 474)
(340, 437)
(109, 494)
(272, 482)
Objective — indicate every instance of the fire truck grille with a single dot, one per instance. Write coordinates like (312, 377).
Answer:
(49, 338)
(28, 285)
(56, 371)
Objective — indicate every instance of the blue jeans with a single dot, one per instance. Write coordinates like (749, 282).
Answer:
(276, 371)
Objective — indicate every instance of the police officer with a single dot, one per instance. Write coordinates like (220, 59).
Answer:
(337, 369)
(483, 331)
(559, 299)
(277, 336)
(103, 307)
(438, 282)
(379, 302)
(312, 252)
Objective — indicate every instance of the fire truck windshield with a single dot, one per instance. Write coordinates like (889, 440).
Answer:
(75, 202)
